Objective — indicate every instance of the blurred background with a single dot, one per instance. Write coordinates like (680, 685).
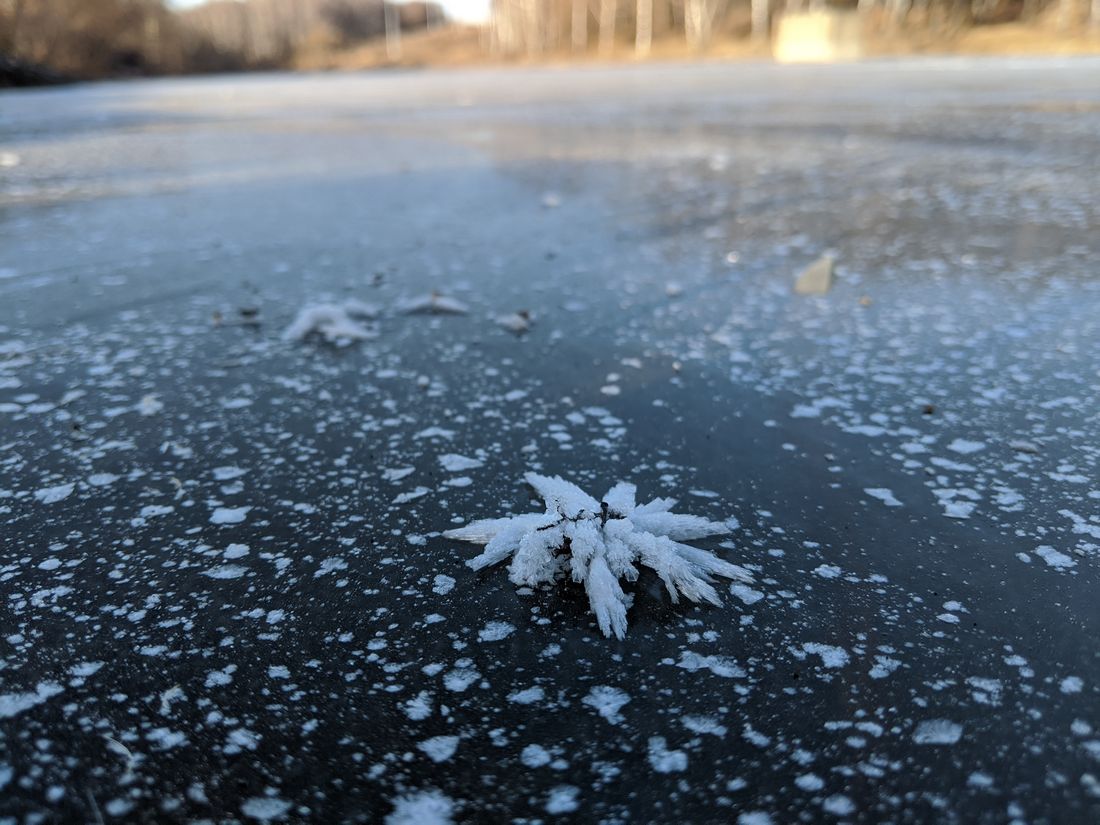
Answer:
(56, 40)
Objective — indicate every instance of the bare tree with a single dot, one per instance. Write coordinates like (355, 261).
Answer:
(643, 27)
(579, 25)
(760, 12)
(609, 10)
(699, 16)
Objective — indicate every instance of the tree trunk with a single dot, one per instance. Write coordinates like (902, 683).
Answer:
(760, 22)
(609, 10)
(643, 27)
(580, 25)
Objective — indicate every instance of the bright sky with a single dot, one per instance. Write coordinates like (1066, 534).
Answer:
(464, 11)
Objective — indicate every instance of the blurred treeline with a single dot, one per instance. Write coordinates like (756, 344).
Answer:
(101, 38)
(536, 26)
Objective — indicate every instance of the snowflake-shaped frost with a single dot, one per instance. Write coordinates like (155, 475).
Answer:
(600, 542)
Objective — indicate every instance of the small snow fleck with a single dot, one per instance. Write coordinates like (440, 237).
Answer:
(528, 696)
(607, 701)
(884, 495)
(442, 585)
(937, 732)
(722, 666)
(52, 495)
(439, 748)
(265, 808)
(229, 515)
(1072, 684)
(535, 756)
(495, 632)
(226, 571)
(562, 800)
(662, 760)
(961, 445)
(745, 593)
(809, 782)
(839, 805)
(831, 656)
(12, 704)
(454, 463)
(422, 808)
(419, 707)
(827, 571)
(1054, 558)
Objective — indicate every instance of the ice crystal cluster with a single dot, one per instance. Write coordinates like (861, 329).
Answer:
(598, 543)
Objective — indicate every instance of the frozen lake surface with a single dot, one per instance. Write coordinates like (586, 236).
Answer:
(225, 592)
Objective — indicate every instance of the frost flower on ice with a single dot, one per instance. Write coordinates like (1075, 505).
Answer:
(597, 543)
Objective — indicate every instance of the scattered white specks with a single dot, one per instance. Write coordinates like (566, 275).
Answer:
(439, 748)
(937, 732)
